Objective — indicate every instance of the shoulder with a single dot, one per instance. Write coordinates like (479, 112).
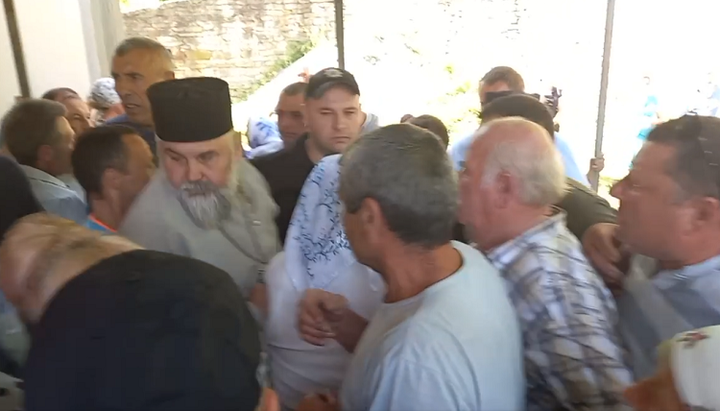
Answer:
(262, 163)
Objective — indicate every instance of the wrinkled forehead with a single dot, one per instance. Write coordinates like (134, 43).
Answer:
(195, 148)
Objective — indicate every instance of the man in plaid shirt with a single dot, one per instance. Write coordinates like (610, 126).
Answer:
(573, 357)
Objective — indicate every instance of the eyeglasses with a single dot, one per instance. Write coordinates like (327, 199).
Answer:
(710, 150)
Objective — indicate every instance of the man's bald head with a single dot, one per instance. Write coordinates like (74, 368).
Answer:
(41, 253)
(512, 175)
(524, 150)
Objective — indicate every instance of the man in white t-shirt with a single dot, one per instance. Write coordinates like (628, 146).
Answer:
(446, 336)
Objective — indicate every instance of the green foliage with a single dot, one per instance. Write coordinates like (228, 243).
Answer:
(296, 50)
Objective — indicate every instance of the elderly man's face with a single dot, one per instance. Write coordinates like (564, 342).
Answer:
(651, 217)
(204, 175)
(477, 196)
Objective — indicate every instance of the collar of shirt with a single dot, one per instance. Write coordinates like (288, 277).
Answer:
(98, 225)
(665, 279)
(33, 173)
(545, 232)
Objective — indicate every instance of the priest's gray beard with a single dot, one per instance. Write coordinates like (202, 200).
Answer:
(207, 204)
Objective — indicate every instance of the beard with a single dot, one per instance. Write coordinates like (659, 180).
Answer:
(207, 204)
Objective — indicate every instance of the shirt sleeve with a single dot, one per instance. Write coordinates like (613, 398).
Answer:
(409, 385)
(71, 208)
(584, 209)
(573, 348)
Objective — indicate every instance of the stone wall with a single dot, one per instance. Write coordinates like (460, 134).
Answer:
(237, 40)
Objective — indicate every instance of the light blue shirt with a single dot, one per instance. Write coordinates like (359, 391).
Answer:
(458, 152)
(658, 304)
(55, 196)
(455, 346)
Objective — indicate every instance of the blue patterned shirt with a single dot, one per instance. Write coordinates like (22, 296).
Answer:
(574, 359)
(657, 304)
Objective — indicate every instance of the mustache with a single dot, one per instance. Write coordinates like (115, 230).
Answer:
(199, 188)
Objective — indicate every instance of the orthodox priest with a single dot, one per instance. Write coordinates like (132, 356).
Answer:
(206, 201)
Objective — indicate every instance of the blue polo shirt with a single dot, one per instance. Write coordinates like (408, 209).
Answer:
(657, 304)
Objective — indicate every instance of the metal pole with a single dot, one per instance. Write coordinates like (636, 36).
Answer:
(340, 32)
(602, 102)
(14, 31)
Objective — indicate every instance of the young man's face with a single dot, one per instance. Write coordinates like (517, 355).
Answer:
(290, 112)
(334, 120)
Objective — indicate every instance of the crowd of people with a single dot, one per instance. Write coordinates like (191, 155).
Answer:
(149, 262)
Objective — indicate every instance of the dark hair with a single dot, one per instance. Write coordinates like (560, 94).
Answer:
(691, 167)
(97, 150)
(506, 75)
(60, 94)
(29, 125)
(295, 88)
(416, 186)
(521, 105)
(432, 123)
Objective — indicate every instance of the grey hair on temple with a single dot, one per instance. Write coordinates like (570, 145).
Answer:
(407, 171)
(144, 43)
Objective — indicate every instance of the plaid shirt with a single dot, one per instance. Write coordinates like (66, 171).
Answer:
(573, 356)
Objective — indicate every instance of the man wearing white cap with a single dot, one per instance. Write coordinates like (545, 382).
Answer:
(686, 378)
(206, 201)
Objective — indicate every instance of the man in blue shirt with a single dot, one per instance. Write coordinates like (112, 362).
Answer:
(139, 63)
(669, 219)
(113, 164)
(40, 139)
(496, 83)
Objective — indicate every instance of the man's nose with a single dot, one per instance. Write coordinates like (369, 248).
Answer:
(194, 171)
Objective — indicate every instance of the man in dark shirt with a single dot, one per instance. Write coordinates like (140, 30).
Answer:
(137, 64)
(333, 118)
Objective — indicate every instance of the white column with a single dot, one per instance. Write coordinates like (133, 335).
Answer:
(108, 30)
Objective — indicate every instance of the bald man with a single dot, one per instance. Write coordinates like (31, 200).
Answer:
(573, 356)
(137, 64)
(118, 327)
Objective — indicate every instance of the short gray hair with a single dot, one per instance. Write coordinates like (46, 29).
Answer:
(407, 171)
(144, 43)
(539, 169)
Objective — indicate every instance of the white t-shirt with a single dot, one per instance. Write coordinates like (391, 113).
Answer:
(298, 368)
(455, 346)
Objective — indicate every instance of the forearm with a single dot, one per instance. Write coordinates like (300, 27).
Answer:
(349, 330)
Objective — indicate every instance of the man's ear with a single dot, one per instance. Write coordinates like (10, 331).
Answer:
(111, 179)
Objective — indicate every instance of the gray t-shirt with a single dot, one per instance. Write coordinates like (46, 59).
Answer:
(455, 346)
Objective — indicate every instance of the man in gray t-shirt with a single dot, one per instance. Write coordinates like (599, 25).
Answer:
(446, 337)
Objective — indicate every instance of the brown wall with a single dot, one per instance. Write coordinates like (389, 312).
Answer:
(238, 40)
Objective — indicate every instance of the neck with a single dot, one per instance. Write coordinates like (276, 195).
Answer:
(105, 213)
(517, 225)
(313, 152)
(408, 271)
(695, 254)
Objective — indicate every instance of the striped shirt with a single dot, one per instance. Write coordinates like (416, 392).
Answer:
(574, 359)
(657, 304)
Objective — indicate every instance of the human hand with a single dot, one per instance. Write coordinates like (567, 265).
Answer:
(605, 252)
(319, 312)
(319, 402)
(597, 164)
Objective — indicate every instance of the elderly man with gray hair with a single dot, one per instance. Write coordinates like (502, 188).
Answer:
(446, 336)
(573, 356)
